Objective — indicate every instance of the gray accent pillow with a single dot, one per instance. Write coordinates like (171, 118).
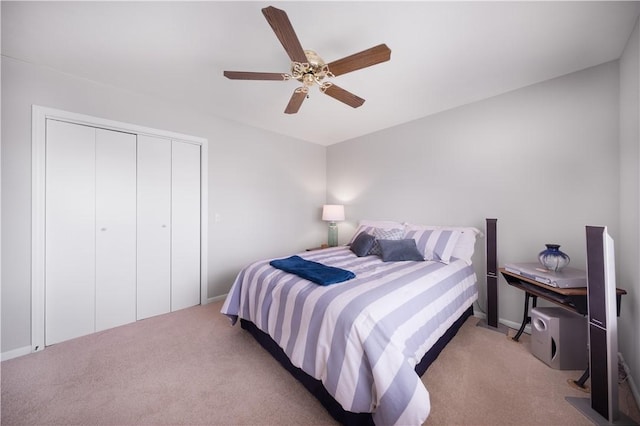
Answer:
(399, 250)
(385, 234)
(362, 244)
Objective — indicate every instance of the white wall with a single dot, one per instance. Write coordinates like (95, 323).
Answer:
(267, 189)
(628, 245)
(543, 160)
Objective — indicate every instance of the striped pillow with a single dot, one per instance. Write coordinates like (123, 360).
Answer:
(435, 244)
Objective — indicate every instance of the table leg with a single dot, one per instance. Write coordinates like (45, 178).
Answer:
(526, 318)
(582, 379)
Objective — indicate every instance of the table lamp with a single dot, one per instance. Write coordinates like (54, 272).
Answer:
(333, 213)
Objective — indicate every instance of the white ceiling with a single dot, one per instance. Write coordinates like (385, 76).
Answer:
(444, 54)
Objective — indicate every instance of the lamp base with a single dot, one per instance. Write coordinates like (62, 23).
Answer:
(333, 234)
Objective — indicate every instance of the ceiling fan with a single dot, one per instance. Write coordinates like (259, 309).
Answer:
(309, 68)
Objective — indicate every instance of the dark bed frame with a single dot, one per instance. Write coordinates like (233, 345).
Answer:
(317, 389)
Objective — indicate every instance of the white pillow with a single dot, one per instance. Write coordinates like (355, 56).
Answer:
(464, 247)
(384, 224)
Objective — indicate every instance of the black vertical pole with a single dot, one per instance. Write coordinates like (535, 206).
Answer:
(492, 273)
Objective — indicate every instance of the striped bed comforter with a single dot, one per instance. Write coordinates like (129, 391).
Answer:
(363, 337)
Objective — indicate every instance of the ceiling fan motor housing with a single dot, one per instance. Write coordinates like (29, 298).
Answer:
(311, 72)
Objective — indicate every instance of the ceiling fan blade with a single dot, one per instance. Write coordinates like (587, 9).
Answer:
(342, 95)
(281, 25)
(296, 101)
(248, 75)
(366, 58)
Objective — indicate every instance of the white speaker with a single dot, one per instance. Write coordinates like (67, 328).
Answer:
(603, 331)
(559, 338)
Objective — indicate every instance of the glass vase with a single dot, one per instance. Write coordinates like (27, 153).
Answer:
(552, 258)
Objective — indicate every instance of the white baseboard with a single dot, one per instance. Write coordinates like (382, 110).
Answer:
(511, 324)
(26, 350)
(216, 298)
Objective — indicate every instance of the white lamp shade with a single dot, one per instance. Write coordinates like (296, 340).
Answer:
(333, 212)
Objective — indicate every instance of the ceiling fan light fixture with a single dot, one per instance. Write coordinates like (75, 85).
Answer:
(308, 79)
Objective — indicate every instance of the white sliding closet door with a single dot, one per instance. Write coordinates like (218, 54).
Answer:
(154, 226)
(185, 219)
(70, 231)
(115, 228)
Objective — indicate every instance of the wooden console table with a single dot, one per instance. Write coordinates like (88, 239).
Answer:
(572, 299)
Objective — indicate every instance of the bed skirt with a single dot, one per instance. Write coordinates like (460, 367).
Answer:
(317, 389)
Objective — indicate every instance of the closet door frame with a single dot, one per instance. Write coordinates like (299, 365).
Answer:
(39, 117)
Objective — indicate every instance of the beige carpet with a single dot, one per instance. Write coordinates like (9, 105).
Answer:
(192, 367)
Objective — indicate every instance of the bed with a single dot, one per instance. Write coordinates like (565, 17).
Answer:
(361, 345)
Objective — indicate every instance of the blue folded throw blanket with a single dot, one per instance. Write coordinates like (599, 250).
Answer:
(312, 271)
